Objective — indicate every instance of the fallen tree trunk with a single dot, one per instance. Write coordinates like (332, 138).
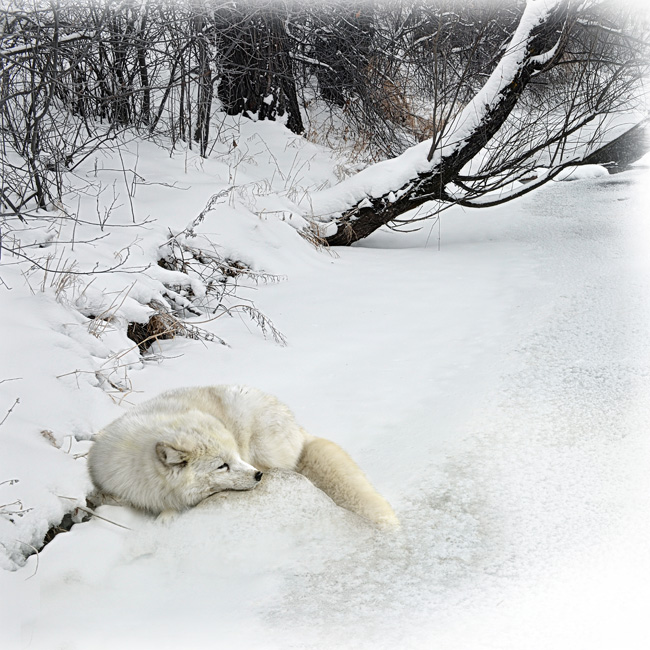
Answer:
(623, 150)
(423, 172)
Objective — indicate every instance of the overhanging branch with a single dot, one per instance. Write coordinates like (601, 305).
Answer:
(538, 42)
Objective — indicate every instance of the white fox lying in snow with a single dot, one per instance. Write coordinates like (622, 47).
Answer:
(185, 445)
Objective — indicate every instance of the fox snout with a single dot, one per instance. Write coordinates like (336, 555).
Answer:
(242, 476)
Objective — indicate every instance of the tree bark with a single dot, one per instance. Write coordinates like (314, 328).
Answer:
(257, 73)
(204, 78)
(145, 112)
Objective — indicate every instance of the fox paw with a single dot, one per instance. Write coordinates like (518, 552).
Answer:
(166, 517)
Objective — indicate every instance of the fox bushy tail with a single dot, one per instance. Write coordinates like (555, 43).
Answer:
(332, 470)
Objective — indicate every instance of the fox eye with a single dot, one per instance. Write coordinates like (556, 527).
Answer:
(224, 466)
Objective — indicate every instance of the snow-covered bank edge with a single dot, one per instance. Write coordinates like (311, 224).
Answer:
(152, 242)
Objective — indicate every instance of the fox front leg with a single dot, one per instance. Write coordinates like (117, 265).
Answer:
(166, 517)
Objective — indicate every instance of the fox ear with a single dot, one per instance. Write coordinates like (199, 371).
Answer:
(170, 456)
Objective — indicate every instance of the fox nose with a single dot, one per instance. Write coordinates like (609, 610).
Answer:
(258, 476)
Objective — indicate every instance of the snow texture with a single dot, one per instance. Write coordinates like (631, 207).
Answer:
(490, 372)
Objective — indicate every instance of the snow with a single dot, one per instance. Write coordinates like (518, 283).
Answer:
(489, 372)
(582, 172)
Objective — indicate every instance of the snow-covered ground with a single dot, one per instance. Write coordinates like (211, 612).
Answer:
(490, 372)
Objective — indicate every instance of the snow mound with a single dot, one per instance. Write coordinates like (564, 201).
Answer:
(582, 172)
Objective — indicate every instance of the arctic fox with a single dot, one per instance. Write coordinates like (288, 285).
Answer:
(185, 445)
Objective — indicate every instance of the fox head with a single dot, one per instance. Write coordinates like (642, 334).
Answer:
(195, 474)
(168, 461)
(199, 460)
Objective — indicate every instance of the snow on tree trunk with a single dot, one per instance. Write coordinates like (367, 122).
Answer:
(381, 193)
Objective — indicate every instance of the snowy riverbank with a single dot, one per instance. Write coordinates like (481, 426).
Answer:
(495, 390)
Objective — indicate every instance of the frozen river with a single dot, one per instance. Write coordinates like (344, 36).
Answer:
(497, 391)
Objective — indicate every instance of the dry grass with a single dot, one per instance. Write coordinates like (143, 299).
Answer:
(163, 325)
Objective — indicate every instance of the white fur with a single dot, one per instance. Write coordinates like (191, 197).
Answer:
(170, 452)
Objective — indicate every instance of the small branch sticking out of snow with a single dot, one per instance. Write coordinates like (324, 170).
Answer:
(20, 541)
(10, 411)
(92, 513)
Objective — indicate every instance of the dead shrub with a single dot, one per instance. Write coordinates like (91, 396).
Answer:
(163, 325)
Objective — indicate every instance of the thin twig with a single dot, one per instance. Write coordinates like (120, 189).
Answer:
(93, 513)
(36, 552)
(9, 411)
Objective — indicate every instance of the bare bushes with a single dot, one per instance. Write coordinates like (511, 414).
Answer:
(163, 325)
(192, 285)
(73, 75)
(215, 278)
